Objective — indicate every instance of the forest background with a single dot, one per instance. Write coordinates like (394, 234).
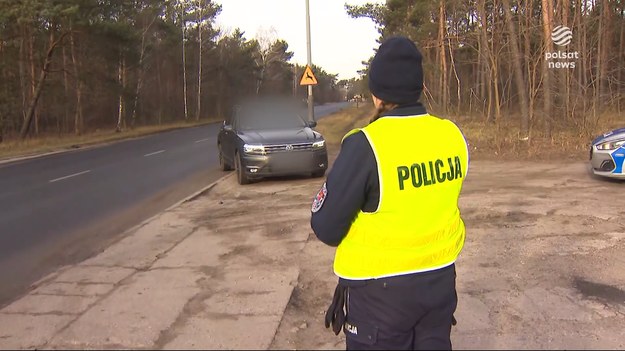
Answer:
(522, 78)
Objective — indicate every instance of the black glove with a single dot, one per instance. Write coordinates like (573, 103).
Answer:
(335, 315)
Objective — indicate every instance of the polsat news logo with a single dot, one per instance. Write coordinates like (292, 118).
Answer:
(561, 36)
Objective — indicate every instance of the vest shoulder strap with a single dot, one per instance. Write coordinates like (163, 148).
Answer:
(353, 131)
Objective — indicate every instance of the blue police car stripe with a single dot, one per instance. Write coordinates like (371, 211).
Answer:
(619, 158)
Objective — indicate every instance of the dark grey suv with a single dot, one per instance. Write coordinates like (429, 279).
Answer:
(270, 139)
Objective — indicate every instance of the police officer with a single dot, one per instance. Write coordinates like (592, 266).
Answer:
(390, 206)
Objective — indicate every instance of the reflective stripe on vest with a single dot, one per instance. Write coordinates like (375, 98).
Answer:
(422, 161)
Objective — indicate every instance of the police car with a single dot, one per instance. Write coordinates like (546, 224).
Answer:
(607, 154)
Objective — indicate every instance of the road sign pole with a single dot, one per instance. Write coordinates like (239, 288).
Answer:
(311, 110)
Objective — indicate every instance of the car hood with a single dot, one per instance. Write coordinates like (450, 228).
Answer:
(279, 136)
(615, 134)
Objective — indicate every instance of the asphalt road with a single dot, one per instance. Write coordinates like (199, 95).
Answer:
(63, 208)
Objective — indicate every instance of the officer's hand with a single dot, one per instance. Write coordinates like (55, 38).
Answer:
(335, 315)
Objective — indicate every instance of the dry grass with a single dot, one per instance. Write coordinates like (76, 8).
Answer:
(488, 141)
(43, 144)
(334, 127)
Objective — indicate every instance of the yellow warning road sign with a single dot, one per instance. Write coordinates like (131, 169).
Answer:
(308, 78)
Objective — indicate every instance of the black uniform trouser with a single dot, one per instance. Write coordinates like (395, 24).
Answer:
(409, 312)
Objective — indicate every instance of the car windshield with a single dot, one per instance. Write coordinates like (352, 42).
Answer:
(273, 118)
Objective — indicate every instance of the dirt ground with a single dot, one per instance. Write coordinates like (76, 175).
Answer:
(542, 266)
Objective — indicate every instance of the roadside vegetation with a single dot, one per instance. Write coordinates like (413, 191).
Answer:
(486, 141)
(80, 66)
(520, 85)
(85, 71)
(501, 141)
(335, 126)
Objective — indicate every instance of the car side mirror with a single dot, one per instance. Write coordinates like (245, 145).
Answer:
(312, 124)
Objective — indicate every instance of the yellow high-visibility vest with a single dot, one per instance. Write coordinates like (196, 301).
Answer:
(422, 163)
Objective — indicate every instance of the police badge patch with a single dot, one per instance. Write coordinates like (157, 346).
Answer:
(319, 199)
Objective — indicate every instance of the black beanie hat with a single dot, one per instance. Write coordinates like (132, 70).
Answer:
(396, 73)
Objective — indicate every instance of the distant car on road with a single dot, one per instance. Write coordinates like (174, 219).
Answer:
(270, 139)
(607, 154)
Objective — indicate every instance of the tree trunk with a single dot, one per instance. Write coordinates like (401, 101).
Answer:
(534, 86)
(605, 40)
(443, 58)
(3, 77)
(159, 82)
(140, 74)
(199, 65)
(547, 107)
(496, 97)
(78, 117)
(479, 82)
(42, 77)
(597, 72)
(121, 76)
(518, 71)
(561, 75)
(62, 128)
(494, 66)
(184, 65)
(22, 72)
(33, 84)
(486, 71)
(621, 51)
(458, 82)
(586, 55)
(529, 9)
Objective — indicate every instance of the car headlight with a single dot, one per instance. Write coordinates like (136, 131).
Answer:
(319, 144)
(611, 145)
(253, 149)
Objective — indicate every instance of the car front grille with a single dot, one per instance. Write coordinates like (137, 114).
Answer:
(270, 149)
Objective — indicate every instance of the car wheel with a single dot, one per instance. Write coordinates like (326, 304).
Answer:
(318, 174)
(239, 168)
(223, 165)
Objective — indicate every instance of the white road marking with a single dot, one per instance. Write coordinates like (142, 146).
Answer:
(69, 176)
(154, 153)
(201, 140)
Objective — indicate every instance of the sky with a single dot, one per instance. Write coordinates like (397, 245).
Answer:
(339, 43)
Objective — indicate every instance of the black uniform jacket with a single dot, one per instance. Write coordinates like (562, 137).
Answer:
(352, 184)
